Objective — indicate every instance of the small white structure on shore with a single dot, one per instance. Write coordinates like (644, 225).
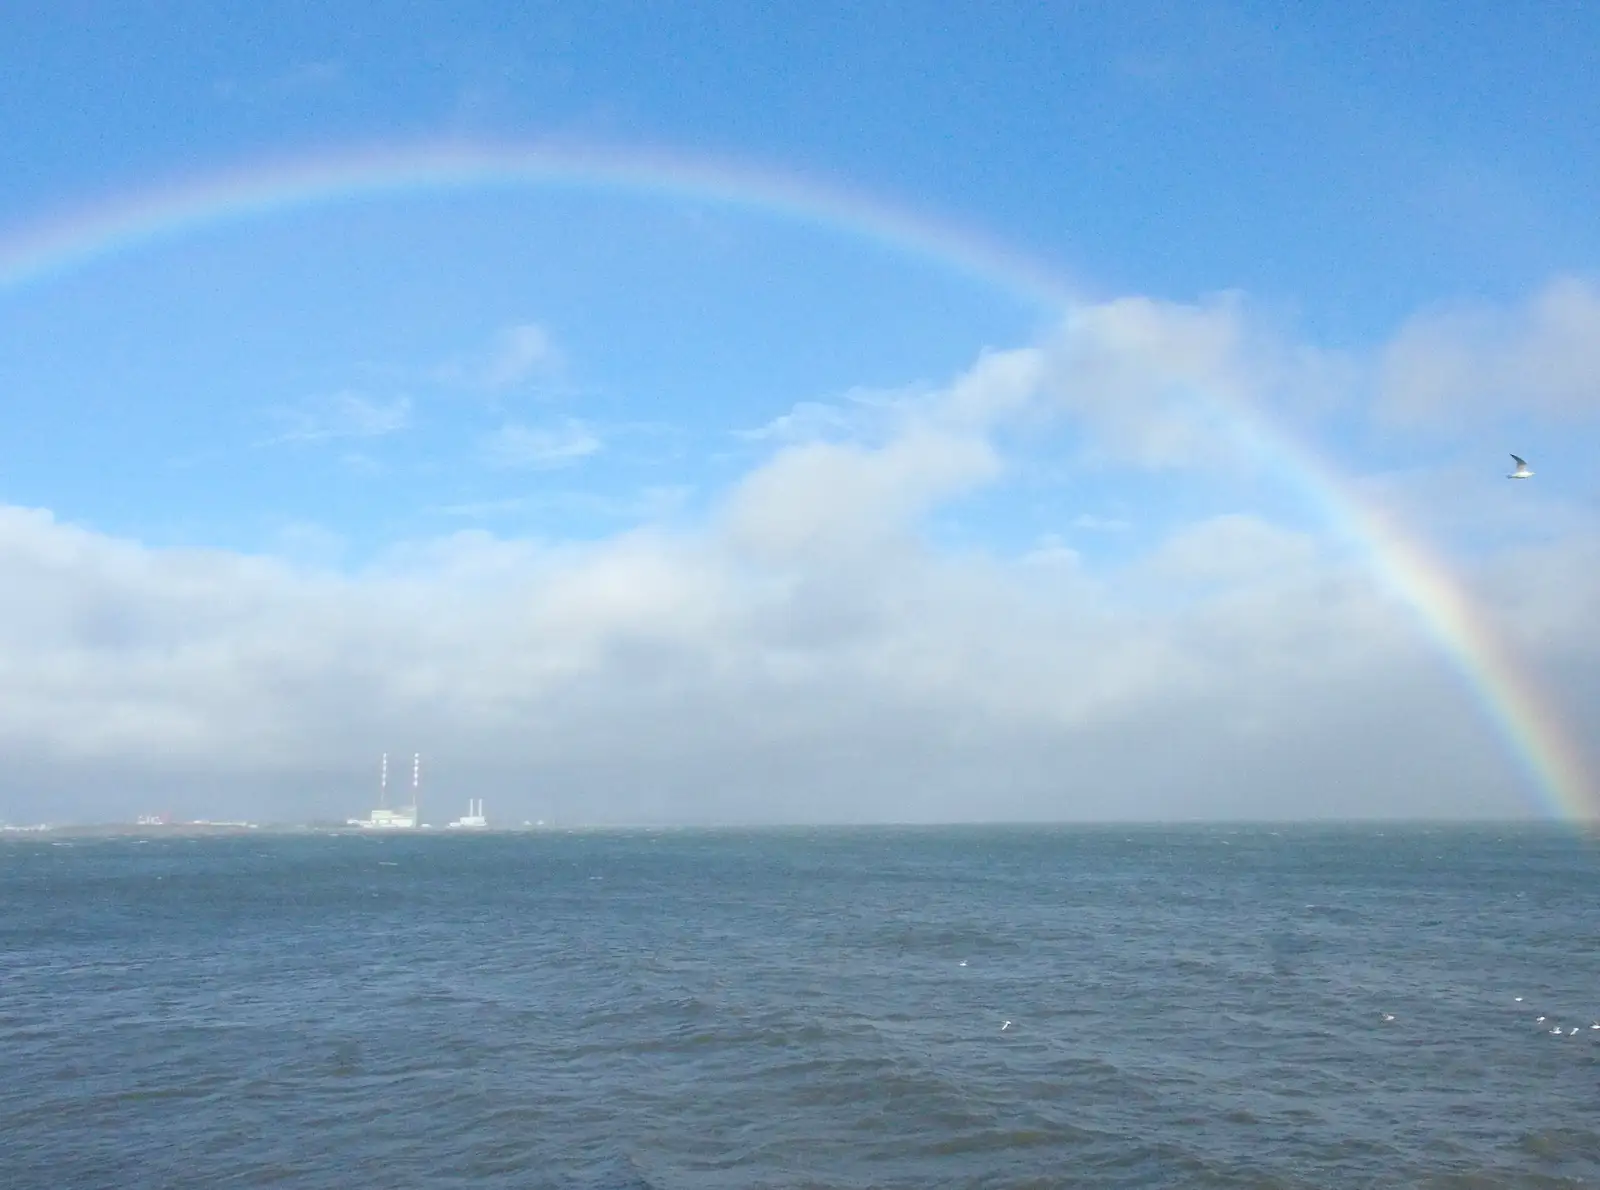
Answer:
(472, 820)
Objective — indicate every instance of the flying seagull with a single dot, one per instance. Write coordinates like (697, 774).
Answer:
(1522, 471)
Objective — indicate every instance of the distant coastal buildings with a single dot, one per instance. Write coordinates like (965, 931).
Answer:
(406, 818)
(473, 819)
(383, 818)
(166, 819)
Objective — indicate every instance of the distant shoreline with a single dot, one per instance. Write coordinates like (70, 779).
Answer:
(109, 830)
(191, 830)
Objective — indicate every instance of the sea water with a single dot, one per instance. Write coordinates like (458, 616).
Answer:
(998, 1007)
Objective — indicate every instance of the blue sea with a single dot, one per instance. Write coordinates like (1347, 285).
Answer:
(970, 1007)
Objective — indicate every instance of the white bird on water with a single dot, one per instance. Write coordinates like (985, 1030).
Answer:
(1522, 471)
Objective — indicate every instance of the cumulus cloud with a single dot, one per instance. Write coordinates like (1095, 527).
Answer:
(801, 653)
(1541, 356)
(826, 497)
(689, 677)
(1231, 547)
(1153, 384)
(1161, 383)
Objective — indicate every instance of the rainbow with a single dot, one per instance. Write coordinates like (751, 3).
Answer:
(1510, 697)
(55, 245)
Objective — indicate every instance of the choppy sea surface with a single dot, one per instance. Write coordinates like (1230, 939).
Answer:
(1187, 1007)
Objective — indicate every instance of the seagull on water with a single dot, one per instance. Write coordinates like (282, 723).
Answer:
(1522, 471)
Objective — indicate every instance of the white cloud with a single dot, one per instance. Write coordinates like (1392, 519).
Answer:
(1154, 384)
(542, 448)
(1542, 357)
(307, 543)
(807, 421)
(860, 415)
(830, 497)
(343, 415)
(800, 654)
(1160, 383)
(695, 676)
(1051, 550)
(1001, 385)
(651, 503)
(1230, 548)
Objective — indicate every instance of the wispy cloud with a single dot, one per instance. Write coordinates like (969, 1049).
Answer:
(521, 356)
(806, 420)
(541, 447)
(522, 351)
(648, 504)
(1099, 524)
(1051, 550)
(343, 415)
(308, 543)
(860, 414)
(482, 510)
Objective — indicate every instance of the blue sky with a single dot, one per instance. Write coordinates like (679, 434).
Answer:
(1295, 151)
(709, 425)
